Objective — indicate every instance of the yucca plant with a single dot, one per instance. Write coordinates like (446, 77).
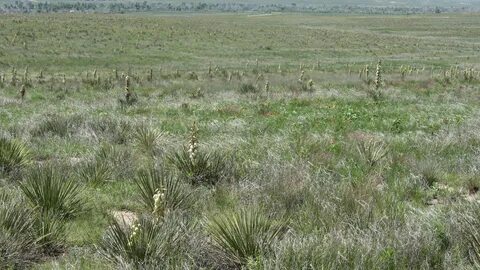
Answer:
(244, 235)
(147, 244)
(50, 231)
(16, 219)
(372, 151)
(376, 93)
(198, 167)
(17, 238)
(147, 138)
(160, 192)
(96, 172)
(13, 155)
(50, 191)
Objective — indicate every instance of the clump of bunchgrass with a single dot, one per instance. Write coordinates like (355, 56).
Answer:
(247, 88)
(57, 125)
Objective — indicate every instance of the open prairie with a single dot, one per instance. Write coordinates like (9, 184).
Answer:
(239, 141)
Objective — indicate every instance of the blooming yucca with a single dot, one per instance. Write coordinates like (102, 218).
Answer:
(193, 142)
(378, 76)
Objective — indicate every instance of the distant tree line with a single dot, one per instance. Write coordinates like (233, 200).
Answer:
(123, 7)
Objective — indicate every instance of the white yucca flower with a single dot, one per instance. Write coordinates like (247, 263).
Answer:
(193, 143)
(378, 76)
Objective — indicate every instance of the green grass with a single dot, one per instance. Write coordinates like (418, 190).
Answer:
(364, 183)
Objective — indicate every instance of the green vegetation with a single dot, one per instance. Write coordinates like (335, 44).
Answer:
(229, 141)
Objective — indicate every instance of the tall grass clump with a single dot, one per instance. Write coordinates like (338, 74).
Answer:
(160, 192)
(147, 244)
(245, 235)
(468, 224)
(198, 167)
(57, 125)
(50, 191)
(13, 155)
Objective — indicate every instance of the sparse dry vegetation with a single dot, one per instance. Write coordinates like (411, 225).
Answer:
(232, 141)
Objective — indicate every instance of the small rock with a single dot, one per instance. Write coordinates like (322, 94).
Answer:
(125, 218)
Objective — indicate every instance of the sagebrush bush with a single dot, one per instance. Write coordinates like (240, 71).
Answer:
(13, 155)
(148, 244)
(161, 192)
(244, 235)
(50, 191)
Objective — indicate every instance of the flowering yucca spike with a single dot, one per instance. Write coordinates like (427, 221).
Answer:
(193, 143)
(378, 76)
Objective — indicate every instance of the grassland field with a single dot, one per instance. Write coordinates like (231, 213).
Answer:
(344, 161)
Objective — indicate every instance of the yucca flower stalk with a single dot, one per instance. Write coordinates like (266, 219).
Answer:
(159, 206)
(128, 94)
(25, 76)
(378, 76)
(367, 72)
(22, 92)
(302, 75)
(150, 75)
(14, 77)
(193, 143)
(135, 231)
(310, 85)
